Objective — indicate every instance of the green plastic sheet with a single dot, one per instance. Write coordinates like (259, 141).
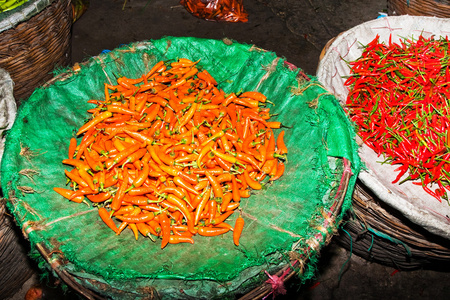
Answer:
(280, 219)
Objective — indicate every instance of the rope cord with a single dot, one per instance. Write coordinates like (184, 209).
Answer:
(348, 259)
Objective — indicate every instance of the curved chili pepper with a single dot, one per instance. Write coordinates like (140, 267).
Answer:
(164, 221)
(142, 217)
(104, 215)
(76, 178)
(282, 149)
(69, 194)
(94, 121)
(212, 231)
(120, 193)
(238, 228)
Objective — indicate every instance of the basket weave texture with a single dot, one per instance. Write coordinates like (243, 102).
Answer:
(433, 8)
(376, 232)
(15, 266)
(32, 49)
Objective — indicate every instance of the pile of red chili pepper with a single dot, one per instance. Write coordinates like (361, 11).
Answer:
(399, 99)
(169, 155)
(217, 10)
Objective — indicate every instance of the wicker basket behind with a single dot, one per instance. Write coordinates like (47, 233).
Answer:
(432, 8)
(378, 233)
(32, 49)
(15, 265)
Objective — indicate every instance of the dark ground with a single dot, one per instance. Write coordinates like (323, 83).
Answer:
(297, 30)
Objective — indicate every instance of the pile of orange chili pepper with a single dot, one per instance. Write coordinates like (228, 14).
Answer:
(399, 99)
(169, 155)
(217, 10)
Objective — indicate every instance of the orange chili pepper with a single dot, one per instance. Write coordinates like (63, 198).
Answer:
(251, 182)
(280, 171)
(68, 194)
(201, 206)
(281, 147)
(143, 174)
(72, 147)
(173, 239)
(87, 178)
(180, 204)
(221, 218)
(270, 147)
(238, 228)
(212, 231)
(180, 193)
(235, 189)
(135, 230)
(145, 230)
(142, 217)
(165, 229)
(155, 68)
(85, 142)
(104, 215)
(221, 178)
(204, 150)
(138, 191)
(98, 198)
(95, 165)
(187, 116)
(120, 193)
(182, 183)
(254, 95)
(155, 227)
(124, 210)
(121, 110)
(216, 187)
(94, 121)
(76, 178)
(121, 156)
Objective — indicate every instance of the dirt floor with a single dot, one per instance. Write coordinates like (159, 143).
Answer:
(297, 30)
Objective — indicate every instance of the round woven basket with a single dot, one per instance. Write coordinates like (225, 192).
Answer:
(35, 39)
(433, 8)
(59, 243)
(378, 233)
(374, 229)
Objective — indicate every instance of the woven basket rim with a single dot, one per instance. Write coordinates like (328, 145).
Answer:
(265, 288)
(295, 267)
(376, 232)
(332, 218)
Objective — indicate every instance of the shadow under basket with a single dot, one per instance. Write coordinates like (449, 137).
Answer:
(378, 233)
(432, 8)
(38, 42)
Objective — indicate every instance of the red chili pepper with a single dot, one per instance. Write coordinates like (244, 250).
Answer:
(396, 98)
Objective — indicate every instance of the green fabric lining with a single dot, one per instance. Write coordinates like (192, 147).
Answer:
(277, 217)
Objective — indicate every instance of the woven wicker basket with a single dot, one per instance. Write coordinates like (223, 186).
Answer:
(296, 267)
(433, 8)
(298, 259)
(36, 45)
(301, 255)
(379, 232)
(376, 232)
(15, 265)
